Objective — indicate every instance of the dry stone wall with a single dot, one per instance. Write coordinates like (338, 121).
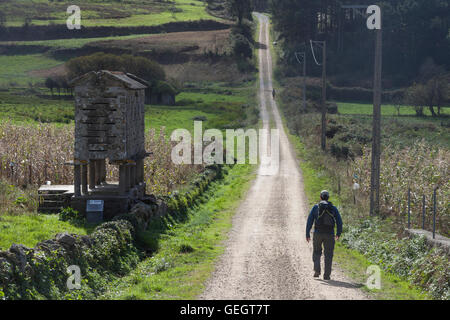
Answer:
(41, 272)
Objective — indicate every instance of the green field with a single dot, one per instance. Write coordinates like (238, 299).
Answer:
(15, 69)
(386, 110)
(29, 229)
(217, 110)
(352, 262)
(70, 43)
(185, 251)
(99, 13)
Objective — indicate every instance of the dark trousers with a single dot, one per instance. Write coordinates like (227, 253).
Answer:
(327, 240)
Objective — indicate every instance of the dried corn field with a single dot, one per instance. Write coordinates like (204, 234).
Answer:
(30, 155)
(420, 168)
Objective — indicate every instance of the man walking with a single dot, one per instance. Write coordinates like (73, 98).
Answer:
(324, 216)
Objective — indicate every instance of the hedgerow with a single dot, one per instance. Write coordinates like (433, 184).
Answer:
(409, 257)
(111, 251)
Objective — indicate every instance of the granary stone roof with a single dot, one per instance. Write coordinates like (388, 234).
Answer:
(129, 80)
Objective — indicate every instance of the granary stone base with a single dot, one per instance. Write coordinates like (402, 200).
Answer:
(113, 204)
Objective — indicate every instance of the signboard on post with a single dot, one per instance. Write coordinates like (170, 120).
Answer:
(94, 211)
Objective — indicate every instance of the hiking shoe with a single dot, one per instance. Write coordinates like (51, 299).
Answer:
(326, 277)
(316, 274)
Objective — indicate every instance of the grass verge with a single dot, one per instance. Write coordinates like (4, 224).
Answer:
(185, 253)
(386, 110)
(29, 229)
(351, 262)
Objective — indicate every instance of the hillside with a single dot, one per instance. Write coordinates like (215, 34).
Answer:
(103, 13)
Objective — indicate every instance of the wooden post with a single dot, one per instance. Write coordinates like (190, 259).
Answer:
(409, 208)
(434, 213)
(339, 185)
(122, 179)
(92, 174)
(84, 179)
(423, 212)
(304, 82)
(376, 132)
(77, 180)
(324, 96)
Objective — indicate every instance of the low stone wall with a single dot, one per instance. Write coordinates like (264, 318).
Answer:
(439, 241)
(41, 272)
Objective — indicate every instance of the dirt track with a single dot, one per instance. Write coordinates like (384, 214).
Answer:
(266, 255)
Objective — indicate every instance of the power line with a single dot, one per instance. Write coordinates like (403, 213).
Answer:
(312, 50)
(301, 54)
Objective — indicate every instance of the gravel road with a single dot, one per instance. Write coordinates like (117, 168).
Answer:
(266, 255)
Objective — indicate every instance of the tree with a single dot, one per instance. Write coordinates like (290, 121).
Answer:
(415, 30)
(435, 93)
(50, 83)
(2, 20)
(240, 9)
(241, 46)
(411, 98)
(139, 66)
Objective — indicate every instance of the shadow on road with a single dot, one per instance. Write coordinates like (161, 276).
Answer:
(341, 284)
(259, 45)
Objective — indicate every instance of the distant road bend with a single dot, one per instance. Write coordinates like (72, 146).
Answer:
(266, 255)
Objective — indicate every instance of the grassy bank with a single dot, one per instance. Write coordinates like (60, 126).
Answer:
(316, 178)
(219, 106)
(96, 13)
(185, 250)
(353, 263)
(386, 109)
(29, 229)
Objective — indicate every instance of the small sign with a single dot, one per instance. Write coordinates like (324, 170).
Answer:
(94, 211)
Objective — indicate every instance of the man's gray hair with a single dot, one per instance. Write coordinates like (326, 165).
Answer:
(324, 194)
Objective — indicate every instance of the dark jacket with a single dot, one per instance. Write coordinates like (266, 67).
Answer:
(312, 218)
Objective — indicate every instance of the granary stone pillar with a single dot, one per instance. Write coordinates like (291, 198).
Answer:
(77, 180)
(140, 171)
(128, 182)
(98, 172)
(133, 176)
(92, 174)
(122, 179)
(84, 179)
(103, 171)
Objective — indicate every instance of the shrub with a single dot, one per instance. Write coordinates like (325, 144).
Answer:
(241, 46)
(409, 258)
(139, 66)
(185, 248)
(69, 214)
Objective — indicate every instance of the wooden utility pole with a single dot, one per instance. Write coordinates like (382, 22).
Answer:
(301, 58)
(324, 95)
(323, 44)
(304, 81)
(374, 23)
(376, 134)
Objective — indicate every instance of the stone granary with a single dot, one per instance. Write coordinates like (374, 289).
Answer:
(109, 126)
